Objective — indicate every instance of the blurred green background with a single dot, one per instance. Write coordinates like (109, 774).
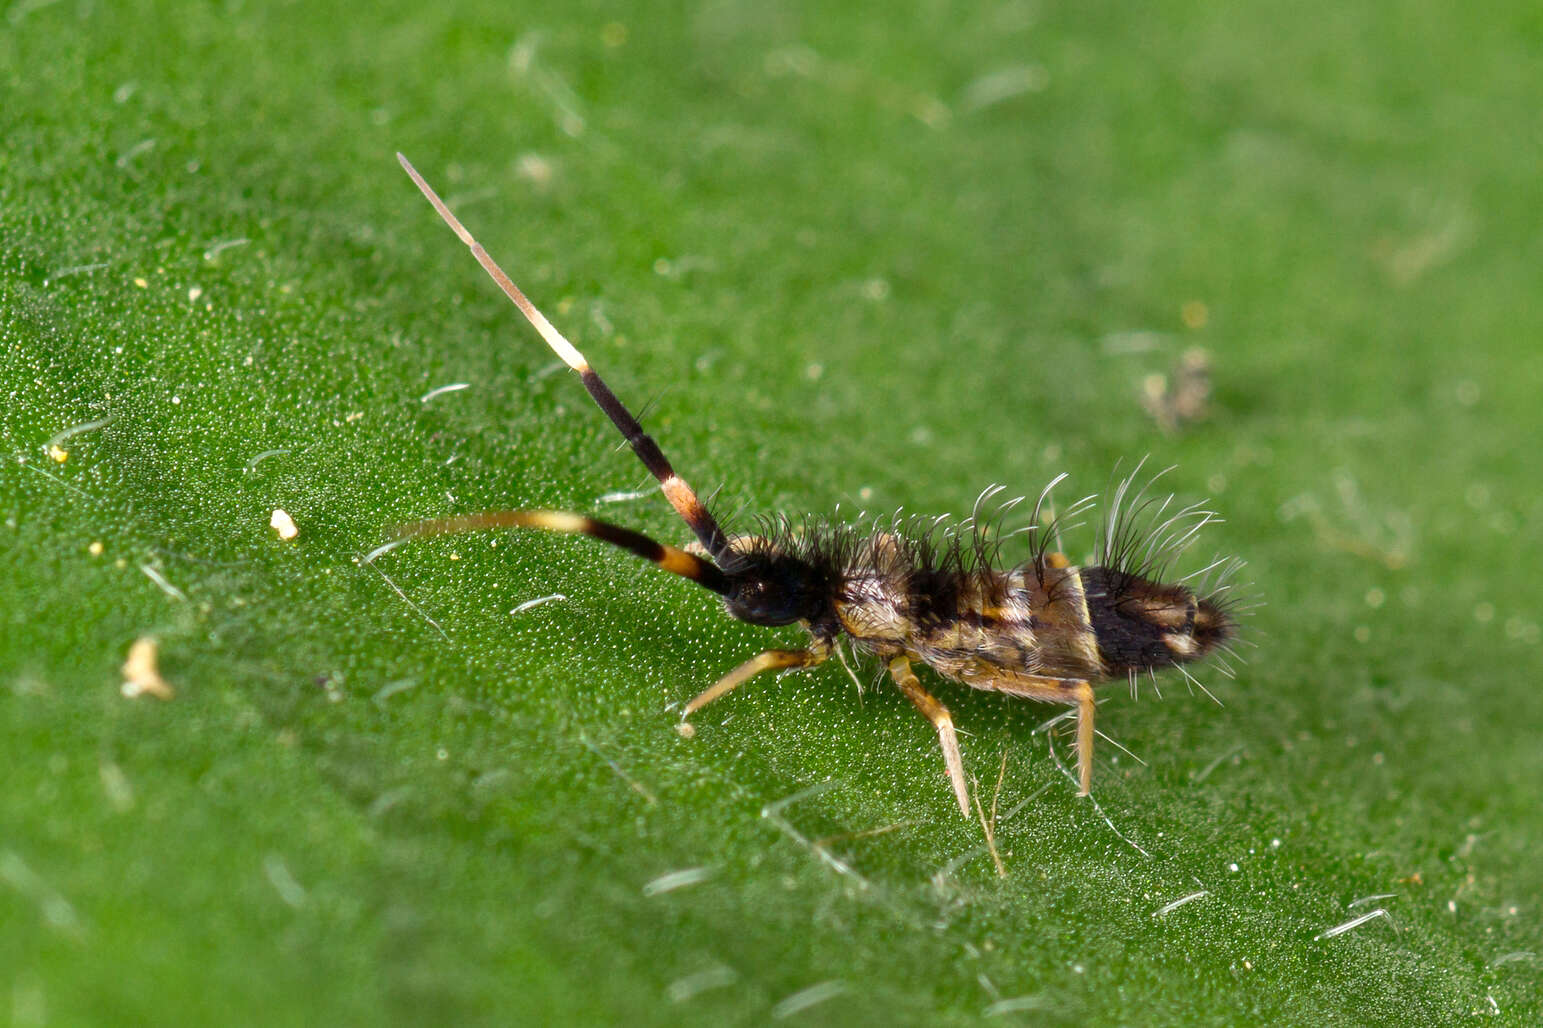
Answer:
(867, 258)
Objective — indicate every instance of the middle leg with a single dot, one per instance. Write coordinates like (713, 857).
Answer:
(942, 720)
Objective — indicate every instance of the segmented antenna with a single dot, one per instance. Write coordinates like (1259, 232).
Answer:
(681, 496)
(675, 561)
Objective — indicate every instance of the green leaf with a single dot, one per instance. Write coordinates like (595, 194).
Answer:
(841, 257)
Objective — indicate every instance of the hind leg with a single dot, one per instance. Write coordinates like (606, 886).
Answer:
(1074, 692)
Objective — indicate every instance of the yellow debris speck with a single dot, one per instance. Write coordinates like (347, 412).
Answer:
(1195, 314)
(140, 676)
(95, 549)
(194, 293)
(283, 524)
(686, 729)
(141, 283)
(876, 289)
(535, 168)
(58, 453)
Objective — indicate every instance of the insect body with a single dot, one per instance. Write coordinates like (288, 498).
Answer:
(916, 592)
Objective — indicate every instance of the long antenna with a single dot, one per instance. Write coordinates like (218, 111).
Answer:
(676, 561)
(681, 496)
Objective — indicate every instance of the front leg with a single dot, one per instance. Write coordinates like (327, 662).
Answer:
(932, 710)
(772, 660)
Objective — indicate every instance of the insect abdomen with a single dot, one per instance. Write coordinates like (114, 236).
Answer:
(1140, 625)
(1065, 622)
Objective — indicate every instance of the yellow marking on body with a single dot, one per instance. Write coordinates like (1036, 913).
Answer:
(1019, 608)
(1164, 613)
(1079, 595)
(1013, 617)
(1180, 645)
(1084, 640)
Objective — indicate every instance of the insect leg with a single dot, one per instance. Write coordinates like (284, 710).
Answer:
(771, 660)
(942, 720)
(1072, 691)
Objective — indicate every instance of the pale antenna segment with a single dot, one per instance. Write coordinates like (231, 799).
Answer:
(680, 495)
(555, 339)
